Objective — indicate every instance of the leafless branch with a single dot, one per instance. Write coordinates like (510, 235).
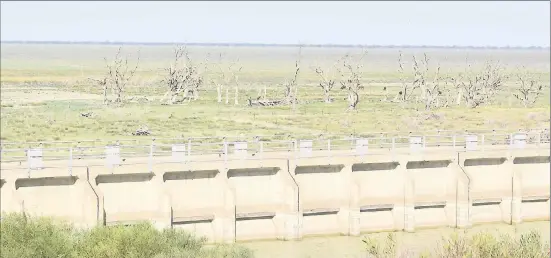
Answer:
(477, 88)
(120, 74)
(351, 78)
(291, 86)
(530, 88)
(327, 79)
(183, 77)
(407, 88)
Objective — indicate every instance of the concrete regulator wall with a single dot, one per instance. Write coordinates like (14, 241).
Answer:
(285, 196)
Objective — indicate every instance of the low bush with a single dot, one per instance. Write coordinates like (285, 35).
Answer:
(481, 245)
(28, 237)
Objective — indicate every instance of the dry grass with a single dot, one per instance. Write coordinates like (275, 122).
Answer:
(44, 90)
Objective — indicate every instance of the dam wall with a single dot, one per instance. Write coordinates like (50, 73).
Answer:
(234, 192)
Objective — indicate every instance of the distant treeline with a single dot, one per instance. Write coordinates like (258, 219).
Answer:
(261, 45)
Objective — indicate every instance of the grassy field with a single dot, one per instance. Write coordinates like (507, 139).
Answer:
(45, 89)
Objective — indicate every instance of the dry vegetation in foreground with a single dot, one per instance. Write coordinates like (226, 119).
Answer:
(29, 237)
(25, 237)
(264, 92)
(481, 245)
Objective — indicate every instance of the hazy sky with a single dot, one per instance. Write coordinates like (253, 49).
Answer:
(518, 23)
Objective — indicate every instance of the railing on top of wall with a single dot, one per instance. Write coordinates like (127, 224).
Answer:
(188, 149)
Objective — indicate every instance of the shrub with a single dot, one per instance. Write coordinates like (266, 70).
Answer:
(481, 245)
(23, 236)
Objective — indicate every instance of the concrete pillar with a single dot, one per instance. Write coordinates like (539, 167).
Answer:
(507, 201)
(290, 222)
(404, 213)
(145, 200)
(349, 213)
(91, 178)
(516, 200)
(224, 220)
(451, 194)
(164, 216)
(91, 212)
(293, 218)
(409, 199)
(8, 194)
(462, 200)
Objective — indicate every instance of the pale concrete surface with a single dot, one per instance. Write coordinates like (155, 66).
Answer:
(283, 196)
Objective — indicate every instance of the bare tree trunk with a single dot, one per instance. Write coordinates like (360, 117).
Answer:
(186, 93)
(227, 96)
(236, 97)
(459, 97)
(353, 100)
(295, 97)
(264, 91)
(196, 94)
(105, 94)
(173, 98)
(119, 95)
(219, 93)
(326, 96)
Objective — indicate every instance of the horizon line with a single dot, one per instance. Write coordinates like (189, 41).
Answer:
(244, 44)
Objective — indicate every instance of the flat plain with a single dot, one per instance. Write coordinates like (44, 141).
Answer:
(46, 88)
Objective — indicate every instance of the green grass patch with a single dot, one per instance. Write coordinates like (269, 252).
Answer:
(29, 237)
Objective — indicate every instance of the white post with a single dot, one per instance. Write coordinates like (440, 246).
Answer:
(225, 152)
(179, 152)
(424, 141)
(261, 152)
(28, 163)
(362, 146)
(471, 142)
(70, 161)
(453, 140)
(415, 143)
(189, 148)
(305, 148)
(151, 156)
(329, 150)
(295, 151)
(519, 140)
(482, 141)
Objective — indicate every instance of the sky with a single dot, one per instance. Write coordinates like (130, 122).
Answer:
(476, 23)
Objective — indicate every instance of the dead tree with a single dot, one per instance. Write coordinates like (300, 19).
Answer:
(182, 78)
(407, 90)
(291, 86)
(175, 76)
(236, 83)
(196, 78)
(430, 91)
(327, 80)
(290, 90)
(119, 74)
(352, 79)
(477, 88)
(530, 88)
(228, 75)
